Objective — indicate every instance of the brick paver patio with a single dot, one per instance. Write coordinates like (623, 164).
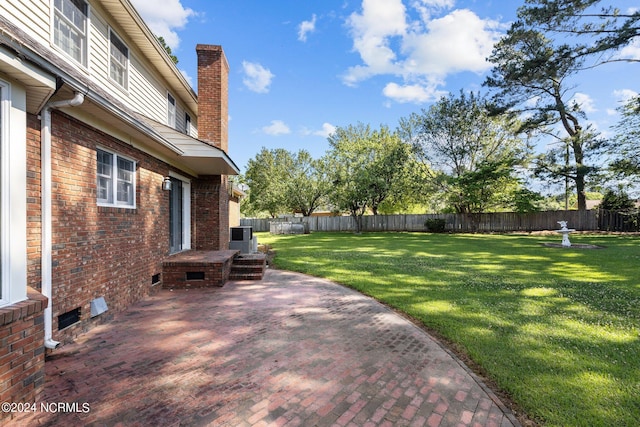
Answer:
(290, 350)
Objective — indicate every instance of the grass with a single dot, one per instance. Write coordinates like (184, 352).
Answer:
(556, 329)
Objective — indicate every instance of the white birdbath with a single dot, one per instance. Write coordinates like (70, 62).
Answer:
(565, 233)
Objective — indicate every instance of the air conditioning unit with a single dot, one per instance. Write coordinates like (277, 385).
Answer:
(241, 234)
(242, 239)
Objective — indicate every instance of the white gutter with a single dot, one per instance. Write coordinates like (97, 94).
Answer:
(46, 202)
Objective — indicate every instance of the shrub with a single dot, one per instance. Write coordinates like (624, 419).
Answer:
(435, 225)
(619, 202)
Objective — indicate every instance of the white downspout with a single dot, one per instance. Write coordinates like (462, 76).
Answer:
(46, 201)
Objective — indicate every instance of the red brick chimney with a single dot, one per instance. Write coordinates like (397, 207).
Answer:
(213, 96)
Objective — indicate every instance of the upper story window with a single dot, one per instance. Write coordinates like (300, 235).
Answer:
(119, 60)
(187, 123)
(116, 180)
(171, 111)
(70, 28)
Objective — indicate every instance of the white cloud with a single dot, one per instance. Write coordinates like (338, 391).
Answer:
(459, 41)
(631, 51)
(327, 129)
(427, 7)
(624, 95)
(257, 78)
(420, 51)
(372, 31)
(276, 128)
(414, 93)
(585, 102)
(166, 19)
(306, 27)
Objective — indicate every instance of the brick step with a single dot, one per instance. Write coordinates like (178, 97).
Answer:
(239, 276)
(248, 267)
(250, 259)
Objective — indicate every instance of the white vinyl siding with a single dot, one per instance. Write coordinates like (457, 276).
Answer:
(33, 17)
(146, 92)
(147, 95)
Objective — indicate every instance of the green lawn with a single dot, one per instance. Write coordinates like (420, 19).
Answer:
(557, 329)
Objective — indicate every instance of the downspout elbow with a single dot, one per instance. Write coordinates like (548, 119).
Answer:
(51, 344)
(77, 99)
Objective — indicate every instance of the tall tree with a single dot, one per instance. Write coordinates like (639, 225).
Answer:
(266, 177)
(531, 78)
(365, 164)
(598, 28)
(468, 156)
(627, 141)
(168, 50)
(307, 183)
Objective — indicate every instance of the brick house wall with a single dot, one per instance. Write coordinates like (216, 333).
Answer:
(22, 351)
(211, 213)
(96, 251)
(213, 88)
(212, 218)
(34, 206)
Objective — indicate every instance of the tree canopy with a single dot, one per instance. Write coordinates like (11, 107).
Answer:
(168, 49)
(531, 79)
(626, 147)
(365, 166)
(282, 182)
(467, 155)
(597, 28)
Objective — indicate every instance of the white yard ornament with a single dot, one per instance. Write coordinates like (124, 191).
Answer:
(565, 233)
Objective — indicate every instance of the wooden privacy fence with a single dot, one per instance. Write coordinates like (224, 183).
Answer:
(618, 221)
(462, 223)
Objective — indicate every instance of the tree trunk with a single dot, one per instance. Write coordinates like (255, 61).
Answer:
(581, 172)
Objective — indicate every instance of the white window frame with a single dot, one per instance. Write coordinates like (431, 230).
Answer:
(13, 193)
(114, 179)
(171, 110)
(58, 18)
(115, 61)
(187, 123)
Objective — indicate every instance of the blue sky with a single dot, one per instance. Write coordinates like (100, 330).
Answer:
(300, 68)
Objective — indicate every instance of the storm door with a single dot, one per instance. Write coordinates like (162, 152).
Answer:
(176, 216)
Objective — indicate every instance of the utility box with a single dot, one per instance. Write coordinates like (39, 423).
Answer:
(242, 239)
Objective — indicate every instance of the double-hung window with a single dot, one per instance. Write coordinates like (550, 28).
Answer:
(116, 180)
(187, 123)
(119, 60)
(171, 111)
(70, 28)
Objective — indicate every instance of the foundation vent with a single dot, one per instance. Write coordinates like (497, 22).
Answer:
(195, 275)
(69, 318)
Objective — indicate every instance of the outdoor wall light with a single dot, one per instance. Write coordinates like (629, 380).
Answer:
(166, 183)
